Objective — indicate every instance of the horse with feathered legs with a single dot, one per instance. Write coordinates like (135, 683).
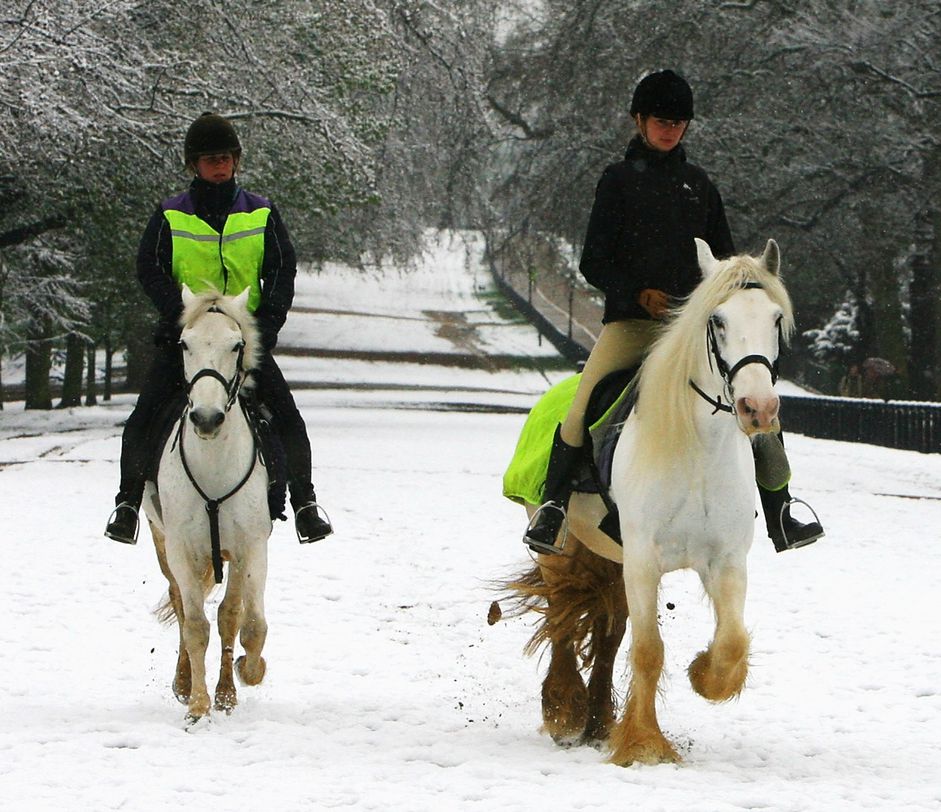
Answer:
(209, 503)
(683, 482)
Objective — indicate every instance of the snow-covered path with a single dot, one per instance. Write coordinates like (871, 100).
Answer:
(386, 689)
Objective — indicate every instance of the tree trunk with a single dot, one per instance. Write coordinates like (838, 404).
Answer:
(74, 367)
(1, 383)
(109, 369)
(91, 386)
(38, 365)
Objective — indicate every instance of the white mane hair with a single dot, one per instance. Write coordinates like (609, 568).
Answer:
(666, 430)
(196, 305)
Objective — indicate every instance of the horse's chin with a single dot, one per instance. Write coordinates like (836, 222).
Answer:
(750, 430)
(207, 435)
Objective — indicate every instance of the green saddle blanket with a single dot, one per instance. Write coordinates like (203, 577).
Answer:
(525, 478)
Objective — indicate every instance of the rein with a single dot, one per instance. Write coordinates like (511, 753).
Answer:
(212, 505)
(728, 373)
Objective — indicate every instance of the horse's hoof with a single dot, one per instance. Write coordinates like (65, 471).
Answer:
(249, 676)
(194, 722)
(226, 701)
(182, 695)
(653, 750)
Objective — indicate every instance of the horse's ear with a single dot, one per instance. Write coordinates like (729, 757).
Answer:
(241, 301)
(771, 258)
(707, 262)
(188, 296)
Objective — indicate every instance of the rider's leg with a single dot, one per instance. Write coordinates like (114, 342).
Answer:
(620, 345)
(773, 473)
(162, 382)
(309, 520)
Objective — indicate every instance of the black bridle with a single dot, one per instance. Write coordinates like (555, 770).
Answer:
(232, 387)
(728, 373)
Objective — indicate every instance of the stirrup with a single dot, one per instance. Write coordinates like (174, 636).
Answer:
(802, 542)
(114, 513)
(547, 548)
(317, 511)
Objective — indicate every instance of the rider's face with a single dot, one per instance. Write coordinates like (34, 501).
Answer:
(216, 168)
(662, 134)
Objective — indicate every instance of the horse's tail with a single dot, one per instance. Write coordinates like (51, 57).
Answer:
(165, 612)
(579, 595)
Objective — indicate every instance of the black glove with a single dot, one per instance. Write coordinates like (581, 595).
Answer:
(166, 333)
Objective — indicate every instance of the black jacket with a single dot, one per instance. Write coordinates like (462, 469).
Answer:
(212, 202)
(647, 210)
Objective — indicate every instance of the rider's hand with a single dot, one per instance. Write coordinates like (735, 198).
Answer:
(654, 301)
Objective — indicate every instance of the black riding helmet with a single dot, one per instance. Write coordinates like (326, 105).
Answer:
(210, 134)
(663, 94)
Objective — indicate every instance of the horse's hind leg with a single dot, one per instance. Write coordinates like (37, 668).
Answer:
(251, 666)
(229, 619)
(719, 672)
(638, 736)
(182, 677)
(564, 698)
(607, 634)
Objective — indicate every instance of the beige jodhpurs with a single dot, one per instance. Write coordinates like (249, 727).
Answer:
(622, 344)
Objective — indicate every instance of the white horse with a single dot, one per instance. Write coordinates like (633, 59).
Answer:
(683, 480)
(209, 503)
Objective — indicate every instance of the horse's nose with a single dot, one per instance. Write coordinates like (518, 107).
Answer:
(207, 421)
(758, 414)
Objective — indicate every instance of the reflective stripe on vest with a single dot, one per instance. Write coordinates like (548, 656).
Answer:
(229, 262)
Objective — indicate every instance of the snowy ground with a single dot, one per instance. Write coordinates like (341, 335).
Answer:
(386, 690)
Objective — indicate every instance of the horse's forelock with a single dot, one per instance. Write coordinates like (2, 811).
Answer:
(214, 301)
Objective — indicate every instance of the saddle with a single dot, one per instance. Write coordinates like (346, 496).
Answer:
(270, 448)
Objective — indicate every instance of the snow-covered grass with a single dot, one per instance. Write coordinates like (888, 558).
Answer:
(386, 689)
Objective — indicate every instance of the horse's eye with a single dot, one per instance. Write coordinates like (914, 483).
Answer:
(240, 345)
(183, 345)
(717, 322)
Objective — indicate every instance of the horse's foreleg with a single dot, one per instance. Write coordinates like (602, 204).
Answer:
(195, 630)
(719, 672)
(638, 736)
(251, 666)
(229, 618)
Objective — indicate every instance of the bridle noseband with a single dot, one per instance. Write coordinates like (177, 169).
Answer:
(728, 373)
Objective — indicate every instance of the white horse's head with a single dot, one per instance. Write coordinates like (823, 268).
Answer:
(724, 338)
(745, 330)
(220, 346)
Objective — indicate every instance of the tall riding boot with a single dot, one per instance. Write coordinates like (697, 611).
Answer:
(773, 472)
(543, 531)
(124, 521)
(786, 532)
(308, 521)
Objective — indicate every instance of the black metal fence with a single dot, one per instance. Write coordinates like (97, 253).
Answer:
(897, 424)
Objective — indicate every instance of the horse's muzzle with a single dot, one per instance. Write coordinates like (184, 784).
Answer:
(758, 415)
(207, 421)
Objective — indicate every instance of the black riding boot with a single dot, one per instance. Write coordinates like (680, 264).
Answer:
(308, 522)
(786, 532)
(123, 524)
(543, 531)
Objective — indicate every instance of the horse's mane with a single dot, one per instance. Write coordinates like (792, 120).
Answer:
(665, 400)
(213, 300)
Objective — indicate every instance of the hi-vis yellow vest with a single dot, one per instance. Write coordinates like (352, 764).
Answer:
(228, 262)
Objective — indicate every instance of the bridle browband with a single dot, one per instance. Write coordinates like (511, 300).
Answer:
(728, 373)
